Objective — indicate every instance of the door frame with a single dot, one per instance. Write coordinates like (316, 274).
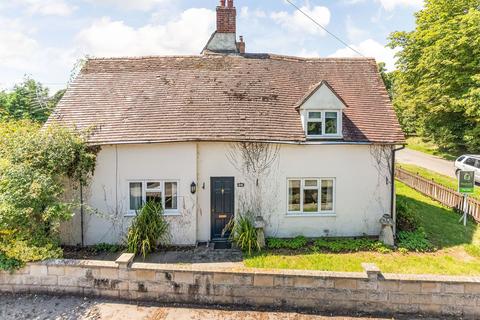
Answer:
(212, 219)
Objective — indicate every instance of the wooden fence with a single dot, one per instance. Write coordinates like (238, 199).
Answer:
(444, 195)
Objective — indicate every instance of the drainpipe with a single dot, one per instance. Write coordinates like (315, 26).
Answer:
(392, 207)
(81, 215)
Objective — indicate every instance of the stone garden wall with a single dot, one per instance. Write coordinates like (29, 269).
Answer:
(370, 291)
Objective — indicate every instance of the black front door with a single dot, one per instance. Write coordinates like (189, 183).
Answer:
(222, 204)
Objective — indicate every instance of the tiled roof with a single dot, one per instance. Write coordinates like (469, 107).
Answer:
(222, 98)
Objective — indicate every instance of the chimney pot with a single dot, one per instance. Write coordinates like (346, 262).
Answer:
(222, 3)
(230, 3)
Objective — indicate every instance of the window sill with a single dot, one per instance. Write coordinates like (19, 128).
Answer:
(333, 137)
(311, 215)
(166, 214)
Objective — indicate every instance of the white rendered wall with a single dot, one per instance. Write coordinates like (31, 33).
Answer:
(362, 194)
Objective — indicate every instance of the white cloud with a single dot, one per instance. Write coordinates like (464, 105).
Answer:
(246, 13)
(17, 46)
(390, 5)
(354, 32)
(186, 35)
(21, 54)
(47, 7)
(370, 48)
(143, 5)
(298, 22)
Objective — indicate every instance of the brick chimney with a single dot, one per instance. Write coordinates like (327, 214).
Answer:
(224, 39)
(226, 17)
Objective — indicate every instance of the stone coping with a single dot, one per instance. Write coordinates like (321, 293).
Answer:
(235, 268)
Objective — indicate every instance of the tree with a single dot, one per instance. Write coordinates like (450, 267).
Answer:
(28, 100)
(34, 165)
(437, 85)
(387, 77)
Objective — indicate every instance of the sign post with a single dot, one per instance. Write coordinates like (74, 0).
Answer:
(466, 186)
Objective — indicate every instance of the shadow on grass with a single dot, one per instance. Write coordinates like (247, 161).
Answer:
(441, 224)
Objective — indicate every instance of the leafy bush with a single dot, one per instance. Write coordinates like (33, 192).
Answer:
(350, 245)
(106, 247)
(293, 244)
(407, 219)
(34, 165)
(9, 264)
(243, 233)
(414, 241)
(149, 229)
(14, 253)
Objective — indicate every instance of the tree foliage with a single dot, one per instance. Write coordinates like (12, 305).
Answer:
(35, 162)
(387, 77)
(28, 100)
(437, 85)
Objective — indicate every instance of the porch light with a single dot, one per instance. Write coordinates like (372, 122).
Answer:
(193, 188)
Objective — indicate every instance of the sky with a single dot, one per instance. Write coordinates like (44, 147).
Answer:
(44, 39)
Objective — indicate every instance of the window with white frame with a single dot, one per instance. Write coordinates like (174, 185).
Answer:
(311, 196)
(163, 192)
(323, 124)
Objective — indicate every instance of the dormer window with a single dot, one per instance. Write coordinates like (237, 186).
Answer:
(322, 123)
(321, 111)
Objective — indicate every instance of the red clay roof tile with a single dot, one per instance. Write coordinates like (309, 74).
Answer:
(222, 98)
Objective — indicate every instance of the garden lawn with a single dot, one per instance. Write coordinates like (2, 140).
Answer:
(458, 254)
(417, 144)
(448, 182)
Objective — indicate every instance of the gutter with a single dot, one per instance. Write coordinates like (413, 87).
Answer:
(326, 142)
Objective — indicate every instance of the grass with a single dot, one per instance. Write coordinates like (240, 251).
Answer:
(418, 144)
(438, 178)
(458, 254)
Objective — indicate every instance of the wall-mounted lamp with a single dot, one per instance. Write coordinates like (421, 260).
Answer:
(193, 188)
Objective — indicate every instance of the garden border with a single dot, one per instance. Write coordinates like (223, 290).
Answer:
(370, 291)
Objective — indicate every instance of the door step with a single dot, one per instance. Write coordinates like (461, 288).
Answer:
(221, 245)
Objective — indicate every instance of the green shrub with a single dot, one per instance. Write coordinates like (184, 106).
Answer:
(407, 219)
(350, 245)
(149, 229)
(243, 233)
(414, 241)
(14, 253)
(35, 163)
(107, 247)
(293, 244)
(9, 264)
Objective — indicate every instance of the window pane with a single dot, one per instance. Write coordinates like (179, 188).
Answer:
(327, 195)
(315, 115)
(470, 162)
(153, 185)
(310, 200)
(171, 195)
(293, 195)
(331, 123)
(311, 183)
(135, 195)
(154, 196)
(314, 128)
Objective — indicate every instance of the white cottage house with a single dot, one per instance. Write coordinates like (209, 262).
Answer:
(308, 144)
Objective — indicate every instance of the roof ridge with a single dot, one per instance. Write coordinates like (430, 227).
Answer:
(248, 56)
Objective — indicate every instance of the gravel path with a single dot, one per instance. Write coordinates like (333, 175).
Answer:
(43, 307)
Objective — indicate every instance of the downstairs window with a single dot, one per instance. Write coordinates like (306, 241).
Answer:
(311, 196)
(164, 193)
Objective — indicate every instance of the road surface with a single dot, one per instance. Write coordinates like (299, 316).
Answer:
(427, 161)
(42, 307)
